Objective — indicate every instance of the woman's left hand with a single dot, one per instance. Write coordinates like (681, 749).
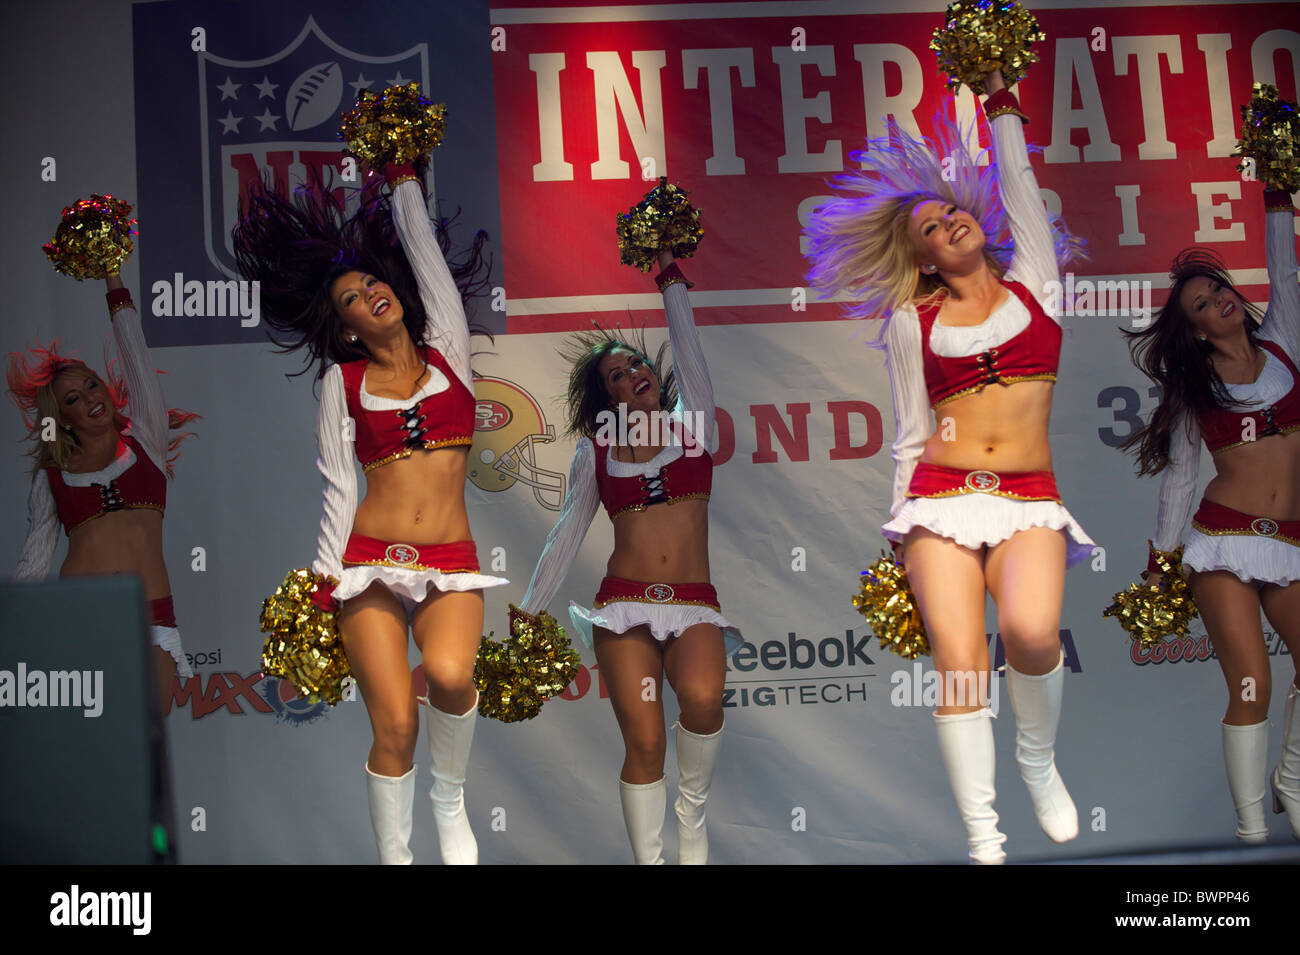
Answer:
(993, 82)
(113, 282)
(665, 258)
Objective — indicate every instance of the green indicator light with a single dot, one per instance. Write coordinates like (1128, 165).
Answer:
(159, 839)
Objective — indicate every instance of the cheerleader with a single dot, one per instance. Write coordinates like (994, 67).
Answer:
(386, 329)
(656, 613)
(970, 334)
(1230, 379)
(101, 474)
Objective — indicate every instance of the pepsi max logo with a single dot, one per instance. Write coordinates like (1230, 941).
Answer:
(401, 554)
(1264, 527)
(982, 481)
(491, 416)
(315, 96)
(659, 593)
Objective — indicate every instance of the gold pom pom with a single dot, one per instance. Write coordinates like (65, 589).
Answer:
(398, 125)
(663, 220)
(1270, 134)
(1149, 613)
(304, 646)
(93, 240)
(516, 676)
(980, 36)
(887, 601)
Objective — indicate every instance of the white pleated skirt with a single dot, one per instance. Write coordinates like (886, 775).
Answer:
(979, 520)
(1250, 557)
(665, 620)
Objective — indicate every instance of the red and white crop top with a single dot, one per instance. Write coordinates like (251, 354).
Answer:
(683, 470)
(440, 415)
(682, 477)
(131, 481)
(1272, 401)
(1223, 429)
(135, 479)
(1033, 354)
(931, 363)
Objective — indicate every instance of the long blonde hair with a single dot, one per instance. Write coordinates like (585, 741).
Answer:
(859, 243)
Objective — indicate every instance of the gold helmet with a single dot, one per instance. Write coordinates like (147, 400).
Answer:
(508, 425)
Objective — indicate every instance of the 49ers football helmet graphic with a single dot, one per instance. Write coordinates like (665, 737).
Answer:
(508, 425)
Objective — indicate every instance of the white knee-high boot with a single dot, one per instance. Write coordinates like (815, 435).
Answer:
(1286, 775)
(450, 739)
(1036, 701)
(966, 742)
(391, 800)
(643, 813)
(1245, 755)
(696, 757)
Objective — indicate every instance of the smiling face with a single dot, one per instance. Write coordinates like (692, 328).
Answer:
(945, 236)
(366, 305)
(83, 401)
(629, 380)
(1213, 309)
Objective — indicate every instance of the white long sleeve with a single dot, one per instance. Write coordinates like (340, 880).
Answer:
(447, 328)
(913, 421)
(338, 468)
(694, 387)
(1033, 263)
(42, 531)
(1282, 320)
(146, 407)
(566, 537)
(1178, 483)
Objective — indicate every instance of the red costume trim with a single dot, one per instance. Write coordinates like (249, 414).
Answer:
(118, 299)
(162, 613)
(141, 485)
(458, 557)
(1278, 200)
(619, 589)
(386, 436)
(1032, 355)
(1218, 520)
(1222, 429)
(934, 480)
(1002, 102)
(686, 478)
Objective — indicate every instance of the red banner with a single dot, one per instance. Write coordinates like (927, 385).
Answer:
(1136, 108)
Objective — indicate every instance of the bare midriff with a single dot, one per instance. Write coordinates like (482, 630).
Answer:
(120, 542)
(1002, 428)
(417, 500)
(1260, 478)
(662, 543)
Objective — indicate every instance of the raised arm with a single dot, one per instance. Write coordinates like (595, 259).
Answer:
(146, 408)
(565, 538)
(1178, 484)
(913, 422)
(1034, 260)
(42, 531)
(1282, 321)
(447, 329)
(337, 468)
(694, 388)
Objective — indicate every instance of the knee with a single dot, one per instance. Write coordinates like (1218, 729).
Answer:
(1249, 699)
(701, 703)
(446, 677)
(646, 745)
(1033, 633)
(396, 727)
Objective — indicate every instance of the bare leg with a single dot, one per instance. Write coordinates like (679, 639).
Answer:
(696, 665)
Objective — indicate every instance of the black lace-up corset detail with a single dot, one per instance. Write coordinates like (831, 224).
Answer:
(413, 423)
(989, 362)
(110, 497)
(653, 489)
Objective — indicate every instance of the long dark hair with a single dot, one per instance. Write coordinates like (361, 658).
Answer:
(297, 246)
(587, 396)
(1170, 354)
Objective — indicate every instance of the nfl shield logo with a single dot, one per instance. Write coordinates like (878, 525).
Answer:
(278, 118)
